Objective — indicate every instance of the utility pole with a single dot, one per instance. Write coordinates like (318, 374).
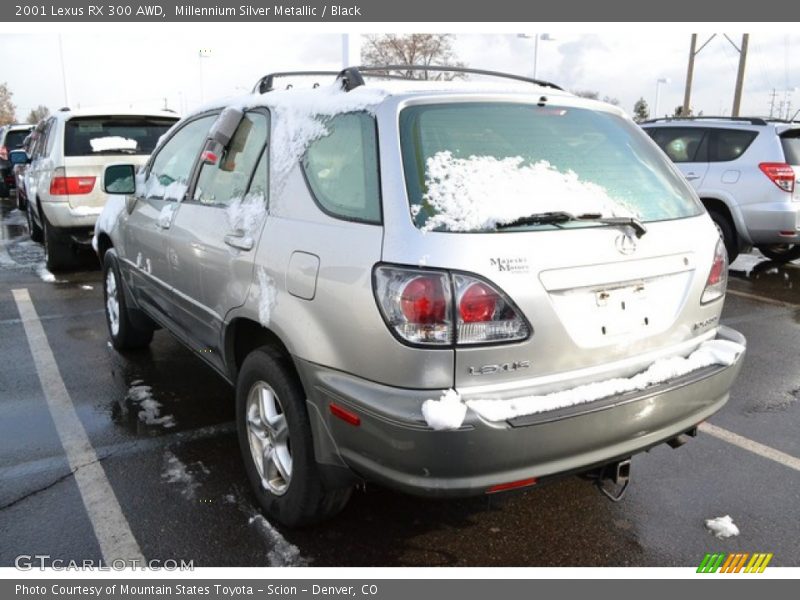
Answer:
(687, 95)
(737, 95)
(772, 102)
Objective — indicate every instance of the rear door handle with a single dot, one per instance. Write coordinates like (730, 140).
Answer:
(239, 241)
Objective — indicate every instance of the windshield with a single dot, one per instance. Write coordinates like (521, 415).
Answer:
(473, 166)
(89, 136)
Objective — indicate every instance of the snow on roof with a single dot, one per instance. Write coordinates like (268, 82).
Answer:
(98, 111)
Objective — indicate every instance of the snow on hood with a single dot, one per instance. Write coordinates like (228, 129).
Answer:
(448, 412)
(480, 192)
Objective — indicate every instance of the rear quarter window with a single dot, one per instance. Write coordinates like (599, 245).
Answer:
(790, 141)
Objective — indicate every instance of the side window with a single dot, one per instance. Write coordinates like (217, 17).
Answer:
(50, 137)
(169, 175)
(342, 169)
(729, 144)
(681, 144)
(229, 178)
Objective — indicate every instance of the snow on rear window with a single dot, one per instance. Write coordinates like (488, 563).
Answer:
(458, 188)
(113, 142)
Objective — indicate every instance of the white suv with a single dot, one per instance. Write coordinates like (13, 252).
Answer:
(745, 171)
(66, 162)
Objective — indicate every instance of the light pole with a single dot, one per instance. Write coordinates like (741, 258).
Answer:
(203, 53)
(545, 37)
(659, 81)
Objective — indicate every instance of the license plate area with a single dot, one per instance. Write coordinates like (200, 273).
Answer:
(622, 310)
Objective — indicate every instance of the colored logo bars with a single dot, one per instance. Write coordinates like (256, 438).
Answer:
(735, 563)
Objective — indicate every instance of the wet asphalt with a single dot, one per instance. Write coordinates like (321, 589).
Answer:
(182, 488)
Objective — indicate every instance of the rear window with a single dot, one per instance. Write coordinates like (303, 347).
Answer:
(471, 166)
(790, 141)
(89, 136)
(14, 138)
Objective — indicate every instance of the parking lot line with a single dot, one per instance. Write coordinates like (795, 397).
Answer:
(786, 460)
(110, 525)
(764, 299)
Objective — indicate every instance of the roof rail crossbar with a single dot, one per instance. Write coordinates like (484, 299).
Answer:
(267, 82)
(751, 120)
(353, 77)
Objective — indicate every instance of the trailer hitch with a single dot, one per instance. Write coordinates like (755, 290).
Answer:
(618, 474)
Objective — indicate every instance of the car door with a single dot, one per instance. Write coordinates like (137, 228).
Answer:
(40, 161)
(213, 238)
(687, 147)
(159, 192)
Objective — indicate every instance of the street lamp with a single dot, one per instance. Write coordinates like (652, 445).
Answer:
(203, 53)
(659, 81)
(545, 37)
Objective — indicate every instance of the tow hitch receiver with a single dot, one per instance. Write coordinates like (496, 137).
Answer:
(619, 474)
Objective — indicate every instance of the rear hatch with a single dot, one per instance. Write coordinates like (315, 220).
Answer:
(91, 143)
(598, 300)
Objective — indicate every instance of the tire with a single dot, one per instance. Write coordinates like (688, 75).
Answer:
(58, 253)
(126, 333)
(782, 253)
(727, 232)
(272, 418)
(33, 229)
(21, 201)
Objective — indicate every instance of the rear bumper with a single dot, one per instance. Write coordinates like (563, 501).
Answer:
(61, 214)
(394, 446)
(766, 221)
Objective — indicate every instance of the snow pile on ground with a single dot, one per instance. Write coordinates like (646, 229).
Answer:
(722, 527)
(247, 214)
(44, 274)
(149, 409)
(282, 553)
(113, 142)
(267, 296)
(480, 192)
(449, 411)
(15, 217)
(166, 215)
(176, 471)
(113, 208)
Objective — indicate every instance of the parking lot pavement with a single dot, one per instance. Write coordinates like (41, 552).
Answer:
(182, 493)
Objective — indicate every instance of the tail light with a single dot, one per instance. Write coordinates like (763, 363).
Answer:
(780, 174)
(717, 280)
(484, 314)
(3, 153)
(435, 308)
(60, 185)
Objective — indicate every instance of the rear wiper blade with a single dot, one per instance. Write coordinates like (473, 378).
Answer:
(556, 217)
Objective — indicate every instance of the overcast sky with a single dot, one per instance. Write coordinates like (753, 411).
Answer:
(127, 68)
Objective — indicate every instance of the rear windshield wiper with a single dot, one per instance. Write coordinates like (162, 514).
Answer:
(554, 218)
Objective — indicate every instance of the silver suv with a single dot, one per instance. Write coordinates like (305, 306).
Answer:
(447, 288)
(745, 172)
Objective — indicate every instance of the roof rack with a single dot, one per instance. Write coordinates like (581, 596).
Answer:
(353, 77)
(751, 120)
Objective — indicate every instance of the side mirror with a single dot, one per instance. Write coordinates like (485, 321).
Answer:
(18, 157)
(119, 179)
(225, 126)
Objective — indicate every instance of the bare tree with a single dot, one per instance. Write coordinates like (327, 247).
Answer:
(8, 112)
(40, 113)
(425, 49)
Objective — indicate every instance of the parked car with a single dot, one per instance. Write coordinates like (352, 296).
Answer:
(66, 160)
(447, 288)
(11, 138)
(745, 172)
(20, 168)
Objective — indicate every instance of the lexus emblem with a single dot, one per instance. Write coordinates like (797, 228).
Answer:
(625, 243)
